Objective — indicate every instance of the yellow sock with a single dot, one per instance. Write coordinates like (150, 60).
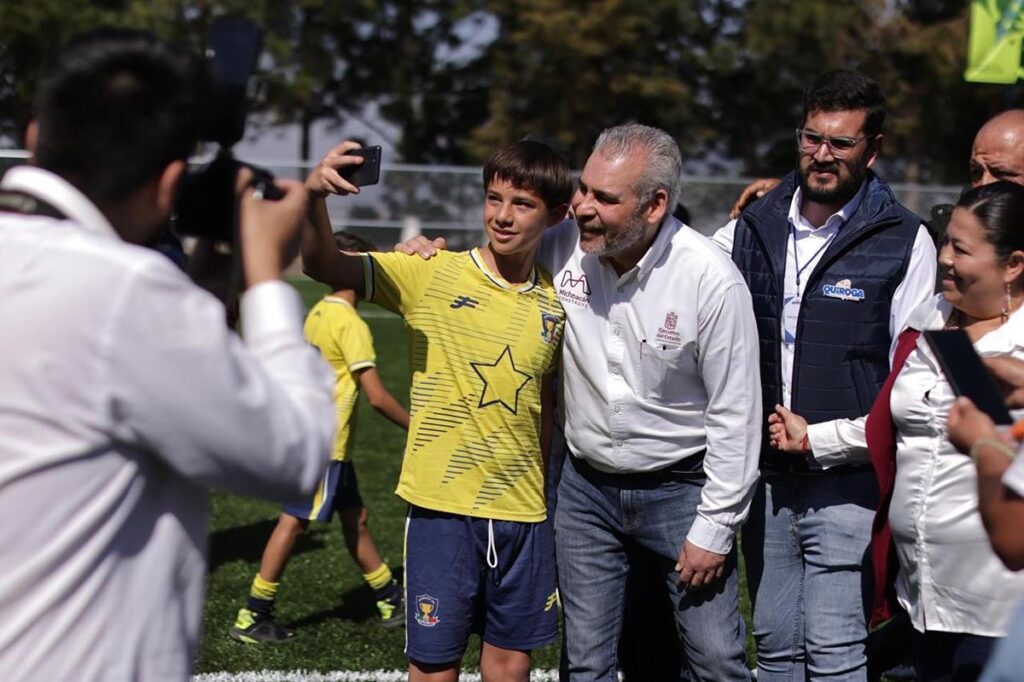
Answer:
(262, 589)
(379, 578)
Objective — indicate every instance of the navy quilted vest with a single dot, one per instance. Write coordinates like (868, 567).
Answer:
(841, 357)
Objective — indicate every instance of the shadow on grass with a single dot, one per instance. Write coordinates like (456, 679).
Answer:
(357, 606)
(245, 543)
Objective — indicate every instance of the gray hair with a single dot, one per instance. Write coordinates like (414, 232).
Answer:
(664, 163)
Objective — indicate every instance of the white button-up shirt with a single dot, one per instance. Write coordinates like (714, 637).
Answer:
(124, 396)
(839, 441)
(660, 363)
(950, 579)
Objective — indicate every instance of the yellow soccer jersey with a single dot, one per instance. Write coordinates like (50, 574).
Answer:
(479, 349)
(344, 340)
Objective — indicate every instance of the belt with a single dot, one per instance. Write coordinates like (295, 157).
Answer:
(687, 469)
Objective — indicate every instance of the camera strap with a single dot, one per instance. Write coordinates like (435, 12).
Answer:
(26, 204)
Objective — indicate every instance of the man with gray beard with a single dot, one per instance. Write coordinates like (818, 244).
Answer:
(659, 385)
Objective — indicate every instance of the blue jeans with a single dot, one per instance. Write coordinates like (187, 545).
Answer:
(1007, 661)
(806, 550)
(599, 516)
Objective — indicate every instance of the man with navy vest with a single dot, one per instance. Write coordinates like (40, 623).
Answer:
(835, 265)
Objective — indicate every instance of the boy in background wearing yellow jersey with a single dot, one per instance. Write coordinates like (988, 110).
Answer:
(344, 341)
(485, 330)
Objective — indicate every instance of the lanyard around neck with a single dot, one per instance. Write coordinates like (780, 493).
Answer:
(814, 256)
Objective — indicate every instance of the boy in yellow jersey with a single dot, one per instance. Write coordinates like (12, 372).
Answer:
(485, 329)
(344, 340)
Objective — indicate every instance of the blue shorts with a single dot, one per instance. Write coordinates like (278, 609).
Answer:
(338, 491)
(452, 590)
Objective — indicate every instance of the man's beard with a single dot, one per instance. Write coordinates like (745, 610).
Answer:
(630, 235)
(843, 191)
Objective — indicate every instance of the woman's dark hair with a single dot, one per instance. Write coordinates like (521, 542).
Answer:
(999, 207)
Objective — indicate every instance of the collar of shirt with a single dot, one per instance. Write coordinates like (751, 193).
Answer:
(477, 256)
(838, 218)
(61, 194)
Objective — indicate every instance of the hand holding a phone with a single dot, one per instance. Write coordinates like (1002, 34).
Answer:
(330, 175)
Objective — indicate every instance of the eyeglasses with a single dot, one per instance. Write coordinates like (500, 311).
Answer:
(840, 147)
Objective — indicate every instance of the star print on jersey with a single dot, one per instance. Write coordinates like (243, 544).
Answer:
(502, 381)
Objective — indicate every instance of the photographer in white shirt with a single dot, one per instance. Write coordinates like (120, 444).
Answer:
(124, 394)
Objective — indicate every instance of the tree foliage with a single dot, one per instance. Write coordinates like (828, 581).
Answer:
(568, 69)
(460, 77)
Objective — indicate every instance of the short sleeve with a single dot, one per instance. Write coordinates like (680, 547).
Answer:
(396, 281)
(356, 345)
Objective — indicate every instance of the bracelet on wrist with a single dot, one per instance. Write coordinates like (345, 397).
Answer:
(992, 443)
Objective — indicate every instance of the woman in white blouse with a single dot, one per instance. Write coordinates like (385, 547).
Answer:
(957, 592)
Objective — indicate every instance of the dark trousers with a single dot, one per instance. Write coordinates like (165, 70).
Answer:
(951, 656)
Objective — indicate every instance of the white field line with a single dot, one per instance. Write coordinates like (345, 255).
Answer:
(343, 676)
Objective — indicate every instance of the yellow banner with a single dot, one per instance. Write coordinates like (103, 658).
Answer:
(994, 45)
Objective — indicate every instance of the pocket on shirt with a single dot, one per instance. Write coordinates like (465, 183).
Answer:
(667, 374)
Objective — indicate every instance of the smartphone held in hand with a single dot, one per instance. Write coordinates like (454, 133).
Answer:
(966, 373)
(366, 173)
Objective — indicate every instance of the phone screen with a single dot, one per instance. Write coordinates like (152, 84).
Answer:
(366, 173)
(966, 373)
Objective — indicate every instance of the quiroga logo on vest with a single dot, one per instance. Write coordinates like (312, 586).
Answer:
(843, 290)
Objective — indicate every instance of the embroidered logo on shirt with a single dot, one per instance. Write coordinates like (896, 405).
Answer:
(667, 334)
(548, 326)
(426, 610)
(464, 302)
(843, 290)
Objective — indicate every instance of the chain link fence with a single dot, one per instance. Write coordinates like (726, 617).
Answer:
(447, 201)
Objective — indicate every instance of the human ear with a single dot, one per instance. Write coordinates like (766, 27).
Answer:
(167, 186)
(558, 214)
(1014, 267)
(874, 147)
(658, 207)
(32, 138)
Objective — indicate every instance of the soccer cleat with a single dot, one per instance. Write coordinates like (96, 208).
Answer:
(392, 612)
(253, 628)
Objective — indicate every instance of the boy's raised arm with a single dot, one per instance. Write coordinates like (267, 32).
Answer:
(321, 258)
